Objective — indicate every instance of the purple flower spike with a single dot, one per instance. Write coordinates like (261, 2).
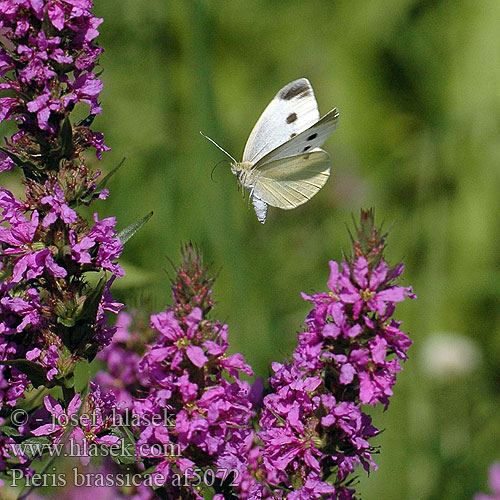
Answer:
(312, 423)
(190, 377)
(52, 316)
(54, 63)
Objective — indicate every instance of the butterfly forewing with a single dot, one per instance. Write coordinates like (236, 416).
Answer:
(293, 110)
(289, 182)
(311, 138)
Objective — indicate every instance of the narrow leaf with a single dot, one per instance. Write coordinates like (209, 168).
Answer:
(86, 122)
(9, 431)
(17, 160)
(129, 231)
(34, 446)
(66, 138)
(91, 305)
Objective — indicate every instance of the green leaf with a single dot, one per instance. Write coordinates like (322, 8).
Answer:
(31, 445)
(129, 231)
(47, 26)
(127, 432)
(66, 147)
(86, 122)
(67, 322)
(17, 160)
(128, 444)
(83, 373)
(69, 381)
(9, 431)
(149, 470)
(91, 305)
(128, 457)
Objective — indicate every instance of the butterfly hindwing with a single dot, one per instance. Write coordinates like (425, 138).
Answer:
(293, 110)
(289, 182)
(311, 138)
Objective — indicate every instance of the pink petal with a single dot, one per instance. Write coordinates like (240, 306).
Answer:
(334, 276)
(196, 355)
(361, 272)
(45, 429)
(74, 405)
(347, 373)
(378, 275)
(56, 15)
(108, 440)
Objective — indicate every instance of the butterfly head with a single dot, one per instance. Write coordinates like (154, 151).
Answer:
(242, 171)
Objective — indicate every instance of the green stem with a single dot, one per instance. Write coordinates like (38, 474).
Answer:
(68, 394)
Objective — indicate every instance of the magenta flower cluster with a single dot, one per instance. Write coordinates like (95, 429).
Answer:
(91, 425)
(193, 379)
(50, 316)
(32, 262)
(312, 423)
(48, 48)
(312, 432)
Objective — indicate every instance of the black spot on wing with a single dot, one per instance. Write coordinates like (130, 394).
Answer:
(294, 89)
(306, 148)
(312, 136)
(292, 135)
(291, 117)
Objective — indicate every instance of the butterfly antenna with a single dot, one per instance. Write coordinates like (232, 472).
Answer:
(213, 169)
(216, 145)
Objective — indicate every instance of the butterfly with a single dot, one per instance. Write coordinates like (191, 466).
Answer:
(283, 165)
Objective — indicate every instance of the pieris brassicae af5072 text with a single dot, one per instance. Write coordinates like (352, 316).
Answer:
(283, 165)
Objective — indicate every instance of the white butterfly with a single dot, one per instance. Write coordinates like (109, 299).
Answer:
(282, 164)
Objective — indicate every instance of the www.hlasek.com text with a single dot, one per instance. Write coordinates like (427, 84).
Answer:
(73, 448)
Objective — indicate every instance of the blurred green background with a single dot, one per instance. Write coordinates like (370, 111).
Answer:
(417, 84)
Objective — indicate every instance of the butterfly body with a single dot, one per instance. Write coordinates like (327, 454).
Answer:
(242, 170)
(283, 165)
